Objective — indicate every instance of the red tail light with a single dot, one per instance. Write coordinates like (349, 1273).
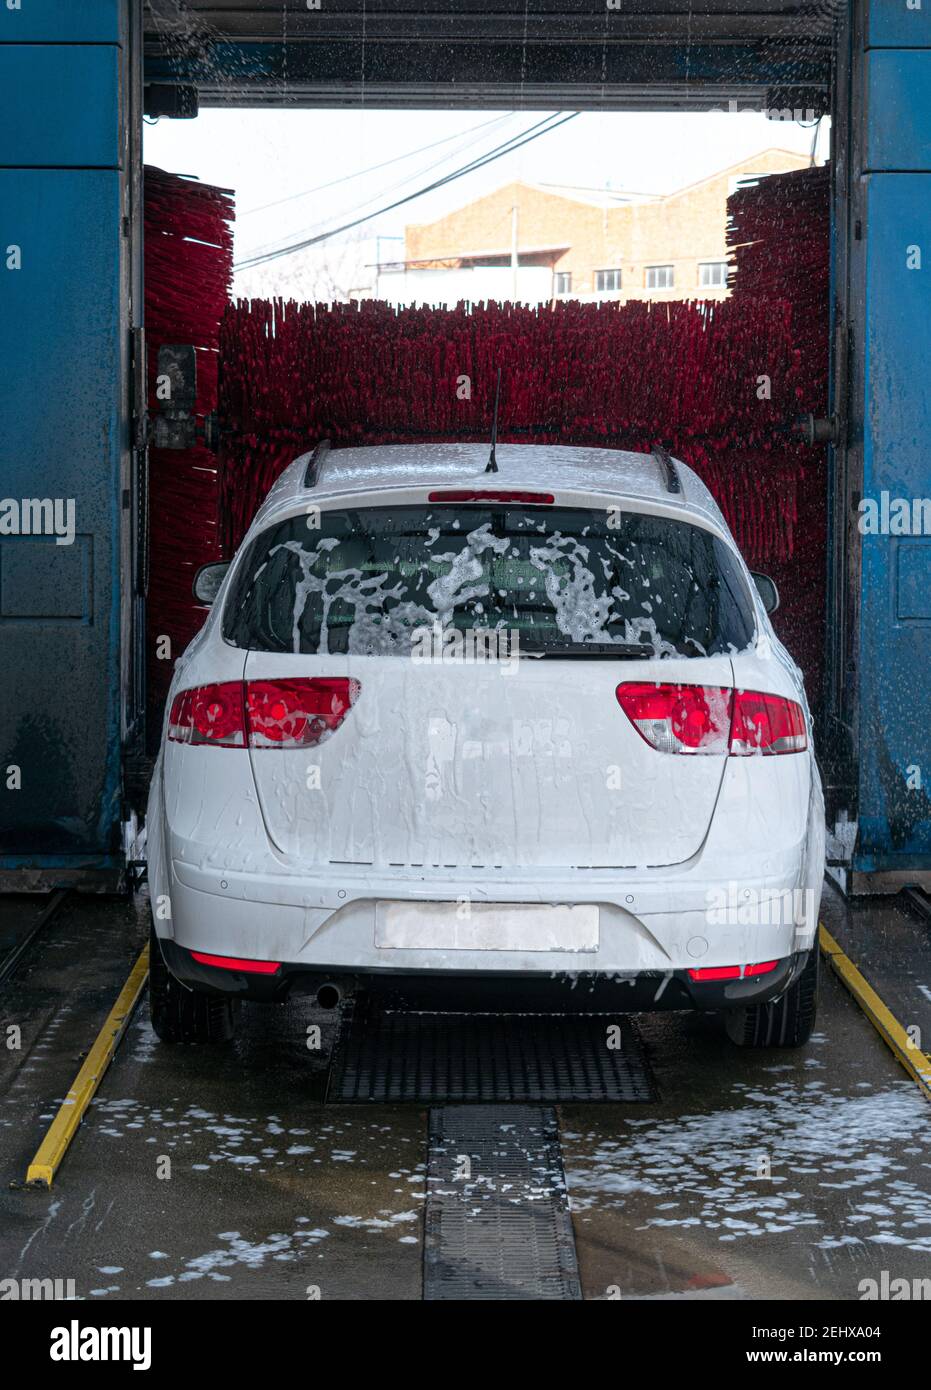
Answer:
(678, 718)
(209, 714)
(712, 719)
(291, 713)
(297, 713)
(767, 724)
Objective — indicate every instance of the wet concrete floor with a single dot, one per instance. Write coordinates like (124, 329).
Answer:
(221, 1173)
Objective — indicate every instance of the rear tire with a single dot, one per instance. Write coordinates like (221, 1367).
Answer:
(784, 1022)
(181, 1015)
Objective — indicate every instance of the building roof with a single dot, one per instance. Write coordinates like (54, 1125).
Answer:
(595, 197)
(747, 164)
(613, 199)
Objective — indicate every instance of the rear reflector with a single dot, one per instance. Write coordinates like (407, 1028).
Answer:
(732, 972)
(716, 972)
(763, 968)
(712, 719)
(290, 713)
(247, 967)
(465, 495)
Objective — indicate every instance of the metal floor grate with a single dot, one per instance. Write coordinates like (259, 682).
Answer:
(497, 1223)
(439, 1058)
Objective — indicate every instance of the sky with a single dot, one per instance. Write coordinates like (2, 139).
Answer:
(283, 157)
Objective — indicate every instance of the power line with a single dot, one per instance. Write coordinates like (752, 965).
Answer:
(259, 256)
(374, 168)
(367, 202)
(532, 133)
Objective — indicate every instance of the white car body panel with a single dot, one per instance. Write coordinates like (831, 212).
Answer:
(529, 770)
(469, 785)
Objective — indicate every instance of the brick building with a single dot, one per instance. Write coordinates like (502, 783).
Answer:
(576, 243)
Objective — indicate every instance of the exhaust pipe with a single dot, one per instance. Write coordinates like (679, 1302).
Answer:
(329, 996)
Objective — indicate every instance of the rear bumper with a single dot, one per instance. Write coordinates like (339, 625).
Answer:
(585, 990)
(648, 928)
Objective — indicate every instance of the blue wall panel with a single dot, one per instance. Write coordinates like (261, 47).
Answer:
(63, 429)
(64, 21)
(895, 613)
(60, 438)
(892, 24)
(886, 172)
(59, 105)
(898, 110)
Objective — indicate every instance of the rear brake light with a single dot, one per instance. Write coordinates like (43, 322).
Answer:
(469, 495)
(678, 718)
(290, 713)
(210, 714)
(767, 724)
(712, 719)
(297, 713)
(247, 967)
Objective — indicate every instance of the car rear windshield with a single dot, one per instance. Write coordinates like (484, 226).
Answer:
(562, 580)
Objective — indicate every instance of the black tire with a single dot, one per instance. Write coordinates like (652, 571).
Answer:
(181, 1015)
(785, 1022)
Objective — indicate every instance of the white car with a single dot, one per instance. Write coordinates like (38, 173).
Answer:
(479, 730)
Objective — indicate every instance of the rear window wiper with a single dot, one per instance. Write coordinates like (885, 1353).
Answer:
(612, 651)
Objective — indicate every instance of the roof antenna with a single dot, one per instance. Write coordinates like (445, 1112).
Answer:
(492, 465)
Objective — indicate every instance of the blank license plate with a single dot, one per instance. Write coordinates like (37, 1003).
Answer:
(486, 927)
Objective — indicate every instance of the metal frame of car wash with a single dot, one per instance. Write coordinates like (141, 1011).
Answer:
(75, 81)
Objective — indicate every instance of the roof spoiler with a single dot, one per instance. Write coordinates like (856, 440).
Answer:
(314, 462)
(666, 463)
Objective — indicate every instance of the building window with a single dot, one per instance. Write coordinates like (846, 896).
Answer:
(562, 282)
(712, 274)
(607, 280)
(660, 277)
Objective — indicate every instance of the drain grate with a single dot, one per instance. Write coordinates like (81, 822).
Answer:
(435, 1058)
(497, 1222)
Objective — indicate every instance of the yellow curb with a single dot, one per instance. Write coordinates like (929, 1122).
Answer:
(63, 1128)
(915, 1062)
